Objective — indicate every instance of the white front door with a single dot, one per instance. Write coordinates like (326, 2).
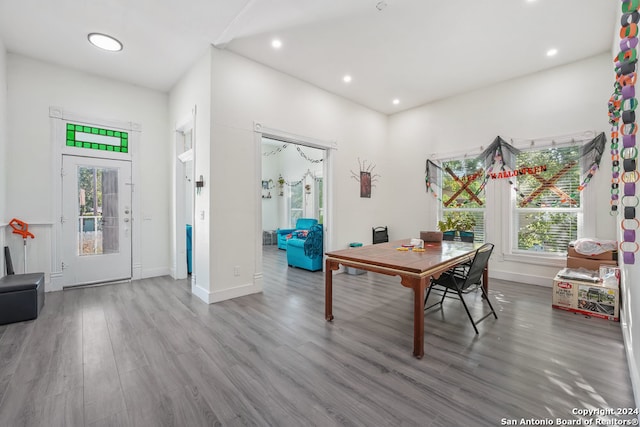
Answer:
(96, 220)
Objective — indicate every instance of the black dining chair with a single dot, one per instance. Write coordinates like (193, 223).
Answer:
(461, 280)
(380, 234)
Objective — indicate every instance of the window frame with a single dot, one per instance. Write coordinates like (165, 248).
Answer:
(585, 217)
(290, 208)
(443, 210)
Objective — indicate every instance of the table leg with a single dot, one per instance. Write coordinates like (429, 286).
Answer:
(418, 317)
(328, 290)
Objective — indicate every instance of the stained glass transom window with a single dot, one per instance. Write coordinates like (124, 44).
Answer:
(97, 139)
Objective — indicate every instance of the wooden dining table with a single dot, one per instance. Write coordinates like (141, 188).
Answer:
(415, 269)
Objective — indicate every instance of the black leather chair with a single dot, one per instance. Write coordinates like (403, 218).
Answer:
(461, 280)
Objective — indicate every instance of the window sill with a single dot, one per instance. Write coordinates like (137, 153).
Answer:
(542, 259)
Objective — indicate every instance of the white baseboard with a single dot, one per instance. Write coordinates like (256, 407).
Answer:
(154, 272)
(200, 292)
(521, 278)
(137, 271)
(631, 357)
(230, 293)
(238, 291)
(55, 282)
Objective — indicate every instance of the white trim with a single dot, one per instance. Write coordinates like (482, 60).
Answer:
(179, 269)
(634, 374)
(33, 223)
(236, 292)
(284, 136)
(527, 279)
(154, 272)
(543, 259)
(261, 131)
(56, 282)
(136, 271)
(200, 292)
(626, 324)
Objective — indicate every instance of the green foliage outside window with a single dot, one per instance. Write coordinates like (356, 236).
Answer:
(547, 215)
(547, 231)
(90, 184)
(465, 170)
(463, 200)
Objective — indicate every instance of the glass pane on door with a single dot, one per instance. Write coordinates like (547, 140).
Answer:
(98, 222)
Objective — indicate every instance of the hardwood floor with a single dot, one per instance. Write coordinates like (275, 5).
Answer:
(149, 353)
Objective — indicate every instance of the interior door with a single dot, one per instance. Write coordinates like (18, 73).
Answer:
(96, 220)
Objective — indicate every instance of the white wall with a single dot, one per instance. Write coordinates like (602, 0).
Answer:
(245, 92)
(193, 94)
(273, 208)
(3, 143)
(563, 100)
(34, 86)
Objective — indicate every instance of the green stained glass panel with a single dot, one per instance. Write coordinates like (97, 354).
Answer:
(96, 138)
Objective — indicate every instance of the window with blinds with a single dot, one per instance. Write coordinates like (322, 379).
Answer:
(463, 197)
(296, 206)
(548, 203)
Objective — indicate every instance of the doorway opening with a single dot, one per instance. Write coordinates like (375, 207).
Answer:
(295, 183)
(184, 237)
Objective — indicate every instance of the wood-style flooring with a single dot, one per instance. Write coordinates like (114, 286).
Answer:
(148, 353)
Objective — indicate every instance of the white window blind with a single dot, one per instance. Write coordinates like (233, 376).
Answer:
(548, 205)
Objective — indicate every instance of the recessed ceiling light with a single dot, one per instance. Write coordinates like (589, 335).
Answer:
(396, 101)
(276, 43)
(105, 42)
(552, 52)
(347, 78)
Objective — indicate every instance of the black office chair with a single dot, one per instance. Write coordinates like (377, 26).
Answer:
(460, 281)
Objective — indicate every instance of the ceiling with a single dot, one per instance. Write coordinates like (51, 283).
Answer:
(416, 51)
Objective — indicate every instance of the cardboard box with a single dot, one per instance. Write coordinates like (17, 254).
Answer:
(591, 299)
(565, 294)
(607, 256)
(599, 301)
(589, 264)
